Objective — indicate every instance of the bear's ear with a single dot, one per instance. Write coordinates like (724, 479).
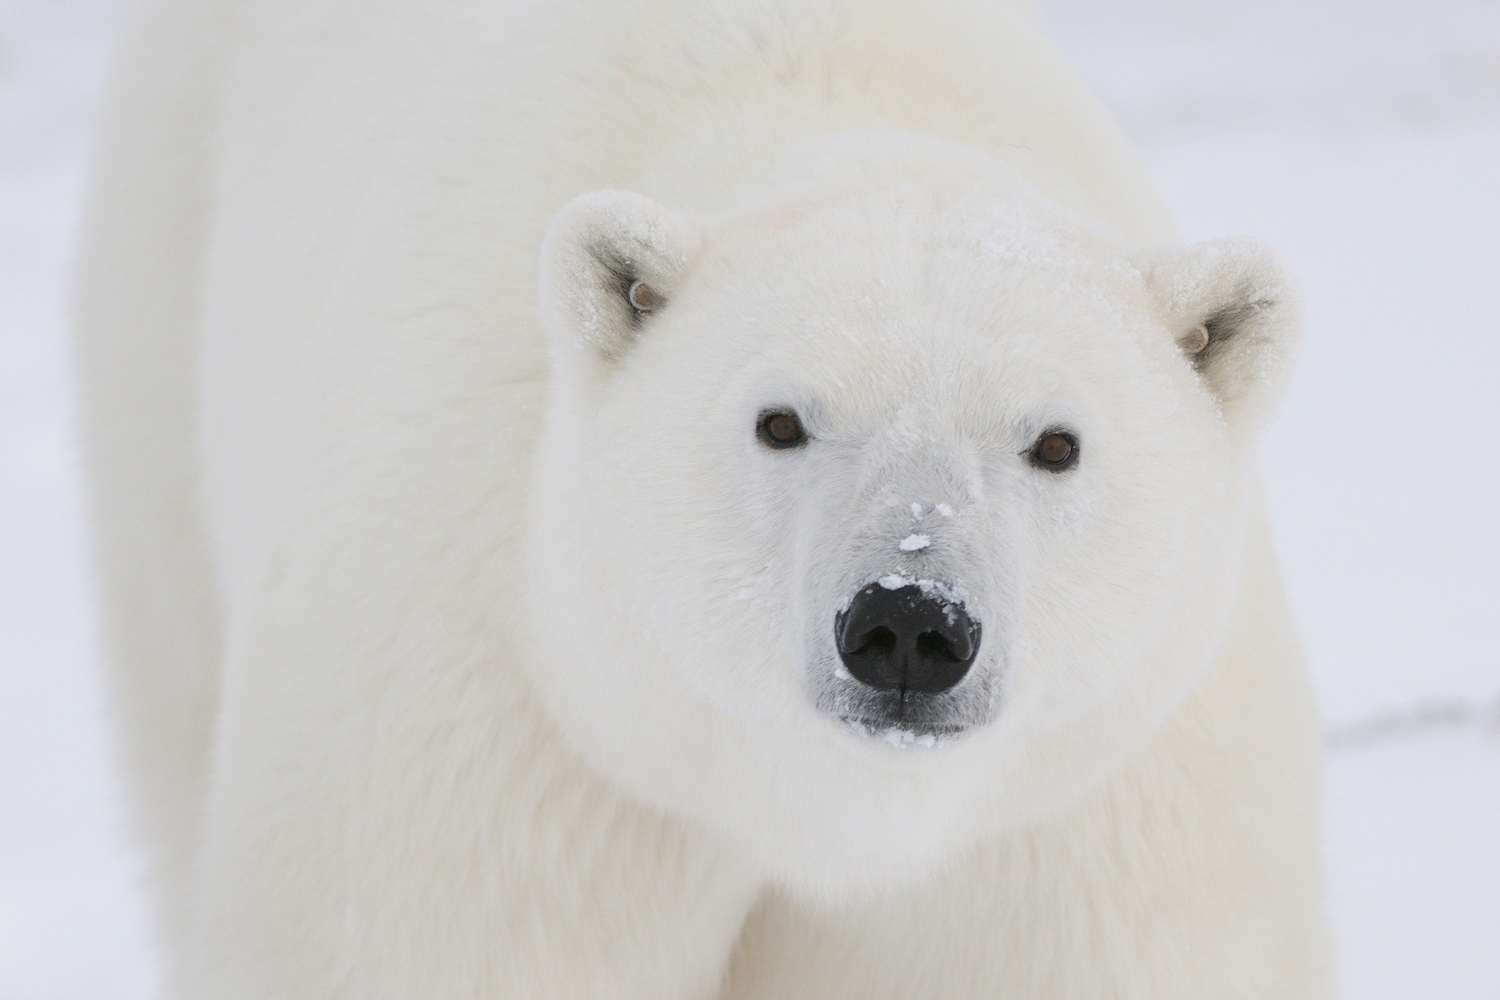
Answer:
(1234, 313)
(609, 261)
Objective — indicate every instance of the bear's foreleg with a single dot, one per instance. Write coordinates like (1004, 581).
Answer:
(392, 815)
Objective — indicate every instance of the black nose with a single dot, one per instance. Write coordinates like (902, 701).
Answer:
(904, 640)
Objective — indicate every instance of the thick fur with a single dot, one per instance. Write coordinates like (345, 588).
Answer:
(468, 643)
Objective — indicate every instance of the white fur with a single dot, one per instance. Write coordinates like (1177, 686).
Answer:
(468, 642)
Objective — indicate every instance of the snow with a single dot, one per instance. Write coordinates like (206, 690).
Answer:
(914, 543)
(73, 923)
(1361, 139)
(903, 739)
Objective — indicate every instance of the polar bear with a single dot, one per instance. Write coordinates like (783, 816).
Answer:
(697, 498)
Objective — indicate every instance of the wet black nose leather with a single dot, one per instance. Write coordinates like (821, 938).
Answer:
(906, 640)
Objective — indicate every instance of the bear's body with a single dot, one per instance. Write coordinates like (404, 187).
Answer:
(475, 641)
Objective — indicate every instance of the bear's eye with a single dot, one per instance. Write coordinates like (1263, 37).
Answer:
(643, 297)
(1055, 451)
(780, 429)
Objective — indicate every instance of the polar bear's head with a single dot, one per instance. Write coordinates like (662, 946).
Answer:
(853, 498)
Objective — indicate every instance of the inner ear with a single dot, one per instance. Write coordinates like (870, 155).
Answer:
(1233, 312)
(610, 260)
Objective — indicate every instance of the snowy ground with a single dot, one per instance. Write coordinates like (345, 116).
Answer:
(1363, 139)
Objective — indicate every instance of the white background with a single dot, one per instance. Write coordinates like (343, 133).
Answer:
(1362, 139)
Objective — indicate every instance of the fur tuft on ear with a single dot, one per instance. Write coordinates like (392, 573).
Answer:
(1234, 314)
(610, 259)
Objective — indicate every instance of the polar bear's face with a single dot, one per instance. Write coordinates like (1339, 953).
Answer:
(900, 481)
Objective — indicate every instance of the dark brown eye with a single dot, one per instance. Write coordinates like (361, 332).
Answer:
(643, 297)
(780, 429)
(1055, 451)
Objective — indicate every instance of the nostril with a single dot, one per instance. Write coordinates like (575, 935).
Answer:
(878, 640)
(934, 646)
(871, 656)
